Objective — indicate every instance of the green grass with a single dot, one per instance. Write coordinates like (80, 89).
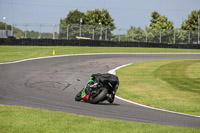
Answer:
(15, 119)
(168, 84)
(146, 85)
(13, 53)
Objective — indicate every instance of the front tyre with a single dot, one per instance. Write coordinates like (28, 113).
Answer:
(100, 97)
(78, 96)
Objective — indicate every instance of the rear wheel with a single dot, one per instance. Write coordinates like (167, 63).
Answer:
(101, 96)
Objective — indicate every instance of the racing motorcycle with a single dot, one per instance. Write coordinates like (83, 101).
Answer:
(99, 88)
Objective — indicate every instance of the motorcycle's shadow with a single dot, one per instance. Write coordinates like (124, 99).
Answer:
(112, 104)
(103, 103)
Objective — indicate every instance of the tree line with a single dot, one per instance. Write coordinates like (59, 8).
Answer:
(19, 33)
(159, 26)
(90, 22)
(97, 23)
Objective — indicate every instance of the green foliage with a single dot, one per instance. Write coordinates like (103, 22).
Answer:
(93, 21)
(69, 23)
(74, 17)
(160, 25)
(136, 34)
(94, 17)
(3, 26)
(18, 33)
(160, 22)
(181, 36)
(192, 22)
(13, 53)
(22, 120)
(37, 35)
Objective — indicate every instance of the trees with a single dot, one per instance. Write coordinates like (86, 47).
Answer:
(16, 31)
(160, 22)
(3, 25)
(73, 17)
(94, 17)
(136, 34)
(98, 22)
(102, 22)
(69, 24)
(192, 22)
(160, 26)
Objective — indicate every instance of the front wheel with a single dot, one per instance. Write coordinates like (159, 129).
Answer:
(78, 96)
(101, 96)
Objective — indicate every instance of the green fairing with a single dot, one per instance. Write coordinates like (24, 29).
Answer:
(89, 81)
(83, 92)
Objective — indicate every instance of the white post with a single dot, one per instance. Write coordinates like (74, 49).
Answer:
(174, 36)
(106, 35)
(146, 36)
(119, 35)
(12, 30)
(4, 18)
(160, 36)
(67, 32)
(80, 26)
(40, 31)
(101, 31)
(189, 38)
(25, 31)
(132, 35)
(93, 33)
(53, 31)
(198, 29)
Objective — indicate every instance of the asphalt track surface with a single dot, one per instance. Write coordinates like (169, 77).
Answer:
(52, 83)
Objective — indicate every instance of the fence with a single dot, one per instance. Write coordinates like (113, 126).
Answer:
(5, 33)
(100, 32)
(102, 43)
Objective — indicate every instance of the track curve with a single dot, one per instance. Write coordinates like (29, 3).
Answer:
(51, 83)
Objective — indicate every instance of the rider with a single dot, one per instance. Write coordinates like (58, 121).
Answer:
(85, 92)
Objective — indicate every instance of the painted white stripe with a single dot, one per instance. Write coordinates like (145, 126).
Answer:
(142, 105)
(96, 54)
(113, 72)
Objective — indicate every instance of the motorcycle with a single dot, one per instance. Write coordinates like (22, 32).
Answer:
(99, 88)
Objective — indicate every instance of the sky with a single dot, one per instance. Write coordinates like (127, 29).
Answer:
(125, 13)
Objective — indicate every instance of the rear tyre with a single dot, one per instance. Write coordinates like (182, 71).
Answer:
(100, 97)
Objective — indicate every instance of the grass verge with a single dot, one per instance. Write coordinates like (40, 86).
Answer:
(13, 53)
(168, 84)
(22, 119)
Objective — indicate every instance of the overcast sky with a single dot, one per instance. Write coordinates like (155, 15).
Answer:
(124, 12)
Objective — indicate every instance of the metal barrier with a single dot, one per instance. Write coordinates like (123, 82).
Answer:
(133, 34)
(97, 43)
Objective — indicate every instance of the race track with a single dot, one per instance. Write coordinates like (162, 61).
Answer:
(52, 83)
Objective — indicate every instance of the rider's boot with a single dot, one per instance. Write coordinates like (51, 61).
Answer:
(110, 98)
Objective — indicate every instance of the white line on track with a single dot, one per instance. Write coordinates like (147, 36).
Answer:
(113, 72)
